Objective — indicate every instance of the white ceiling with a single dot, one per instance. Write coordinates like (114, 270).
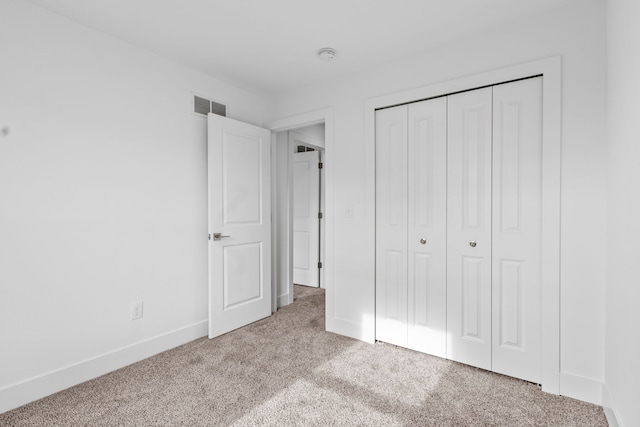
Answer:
(269, 46)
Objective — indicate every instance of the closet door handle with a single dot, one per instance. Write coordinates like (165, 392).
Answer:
(472, 244)
(423, 241)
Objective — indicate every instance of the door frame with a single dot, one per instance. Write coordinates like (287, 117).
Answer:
(291, 123)
(551, 71)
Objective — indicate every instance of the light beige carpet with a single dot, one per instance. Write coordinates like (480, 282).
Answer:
(286, 370)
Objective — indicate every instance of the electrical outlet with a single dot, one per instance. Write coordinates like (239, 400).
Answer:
(136, 310)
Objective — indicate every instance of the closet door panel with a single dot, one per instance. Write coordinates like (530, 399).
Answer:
(469, 227)
(517, 219)
(391, 225)
(427, 179)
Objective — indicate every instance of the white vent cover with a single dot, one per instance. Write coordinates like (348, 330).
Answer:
(203, 106)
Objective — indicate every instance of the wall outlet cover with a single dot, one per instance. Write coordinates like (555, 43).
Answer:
(136, 310)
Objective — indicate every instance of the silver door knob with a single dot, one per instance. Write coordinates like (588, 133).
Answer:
(218, 236)
(472, 244)
(423, 240)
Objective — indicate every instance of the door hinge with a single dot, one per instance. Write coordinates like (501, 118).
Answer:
(209, 236)
(319, 215)
(320, 265)
(320, 165)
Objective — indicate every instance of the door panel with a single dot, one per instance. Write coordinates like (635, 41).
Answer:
(391, 225)
(239, 207)
(241, 185)
(241, 284)
(427, 211)
(394, 294)
(306, 205)
(472, 292)
(517, 228)
(469, 227)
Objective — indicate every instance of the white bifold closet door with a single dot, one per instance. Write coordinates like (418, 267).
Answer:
(411, 226)
(494, 228)
(517, 229)
(427, 213)
(391, 225)
(458, 227)
(469, 227)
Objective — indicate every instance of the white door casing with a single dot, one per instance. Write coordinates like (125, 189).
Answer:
(469, 227)
(517, 228)
(427, 220)
(239, 207)
(306, 206)
(391, 226)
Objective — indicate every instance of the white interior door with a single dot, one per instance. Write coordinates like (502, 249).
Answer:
(469, 228)
(239, 211)
(427, 227)
(517, 230)
(391, 225)
(306, 206)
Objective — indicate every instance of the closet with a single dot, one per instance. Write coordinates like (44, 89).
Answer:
(458, 227)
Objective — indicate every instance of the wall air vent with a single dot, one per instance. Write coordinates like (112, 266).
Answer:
(203, 106)
(302, 149)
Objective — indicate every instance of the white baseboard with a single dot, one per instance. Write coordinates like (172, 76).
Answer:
(15, 395)
(581, 388)
(609, 410)
(283, 300)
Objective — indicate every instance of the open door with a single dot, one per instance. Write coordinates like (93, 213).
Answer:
(306, 209)
(239, 224)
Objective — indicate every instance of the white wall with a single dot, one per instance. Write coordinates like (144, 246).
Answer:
(577, 33)
(102, 201)
(622, 371)
(314, 132)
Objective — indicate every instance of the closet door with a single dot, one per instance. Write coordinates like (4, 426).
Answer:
(391, 225)
(469, 228)
(427, 222)
(517, 219)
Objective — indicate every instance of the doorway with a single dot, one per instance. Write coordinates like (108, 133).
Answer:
(307, 201)
(298, 217)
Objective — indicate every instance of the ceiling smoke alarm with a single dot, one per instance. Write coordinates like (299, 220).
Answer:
(327, 53)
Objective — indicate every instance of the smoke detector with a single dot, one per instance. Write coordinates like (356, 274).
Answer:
(327, 53)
